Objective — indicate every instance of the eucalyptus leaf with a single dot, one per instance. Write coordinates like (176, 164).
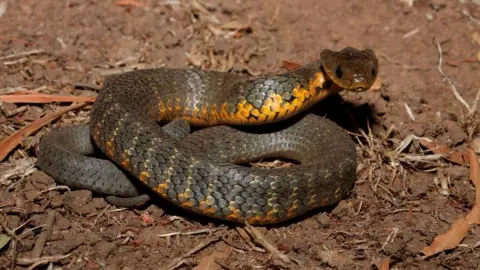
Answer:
(4, 239)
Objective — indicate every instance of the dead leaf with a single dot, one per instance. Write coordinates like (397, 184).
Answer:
(452, 155)
(449, 239)
(475, 174)
(290, 65)
(4, 239)
(43, 98)
(208, 263)
(16, 138)
(460, 227)
(384, 264)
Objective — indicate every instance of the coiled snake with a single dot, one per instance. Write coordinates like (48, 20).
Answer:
(201, 171)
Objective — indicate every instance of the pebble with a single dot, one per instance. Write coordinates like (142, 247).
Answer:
(323, 220)
(458, 172)
(455, 132)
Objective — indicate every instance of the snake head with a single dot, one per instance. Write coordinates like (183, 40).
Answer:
(351, 69)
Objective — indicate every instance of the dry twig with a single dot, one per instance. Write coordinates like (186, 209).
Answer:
(42, 239)
(179, 261)
(471, 109)
(262, 240)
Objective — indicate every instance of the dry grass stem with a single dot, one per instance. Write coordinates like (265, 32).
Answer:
(471, 109)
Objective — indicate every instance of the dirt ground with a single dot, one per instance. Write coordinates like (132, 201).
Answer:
(403, 198)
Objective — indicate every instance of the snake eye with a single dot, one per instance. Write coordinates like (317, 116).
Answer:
(339, 72)
(374, 70)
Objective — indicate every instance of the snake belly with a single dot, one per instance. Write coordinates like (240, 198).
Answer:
(201, 173)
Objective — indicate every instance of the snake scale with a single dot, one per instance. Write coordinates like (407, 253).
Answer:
(202, 171)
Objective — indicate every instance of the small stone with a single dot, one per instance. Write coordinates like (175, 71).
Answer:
(98, 203)
(323, 220)
(395, 248)
(343, 208)
(156, 212)
(407, 236)
(57, 201)
(455, 132)
(425, 208)
(458, 172)
(62, 223)
(135, 223)
(103, 249)
(418, 187)
(79, 201)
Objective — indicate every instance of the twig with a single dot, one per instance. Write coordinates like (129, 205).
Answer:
(234, 245)
(186, 233)
(10, 232)
(22, 168)
(100, 215)
(466, 13)
(409, 111)
(175, 263)
(245, 237)
(262, 240)
(452, 84)
(411, 33)
(30, 231)
(13, 140)
(15, 55)
(42, 239)
(390, 237)
(59, 187)
(15, 242)
(42, 260)
(359, 208)
(14, 62)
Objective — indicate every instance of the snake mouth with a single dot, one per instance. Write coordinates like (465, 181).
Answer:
(360, 89)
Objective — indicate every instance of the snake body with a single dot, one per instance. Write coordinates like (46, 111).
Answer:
(201, 172)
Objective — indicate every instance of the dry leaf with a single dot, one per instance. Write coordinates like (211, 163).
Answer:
(475, 174)
(455, 156)
(4, 239)
(459, 228)
(208, 263)
(451, 238)
(290, 65)
(384, 264)
(16, 138)
(43, 98)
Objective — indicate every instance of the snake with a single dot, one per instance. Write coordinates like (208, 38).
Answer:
(141, 124)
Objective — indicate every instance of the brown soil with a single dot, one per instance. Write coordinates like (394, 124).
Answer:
(398, 205)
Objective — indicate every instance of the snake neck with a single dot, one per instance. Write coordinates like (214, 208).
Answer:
(273, 98)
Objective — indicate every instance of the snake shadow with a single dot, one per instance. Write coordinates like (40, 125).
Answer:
(350, 116)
